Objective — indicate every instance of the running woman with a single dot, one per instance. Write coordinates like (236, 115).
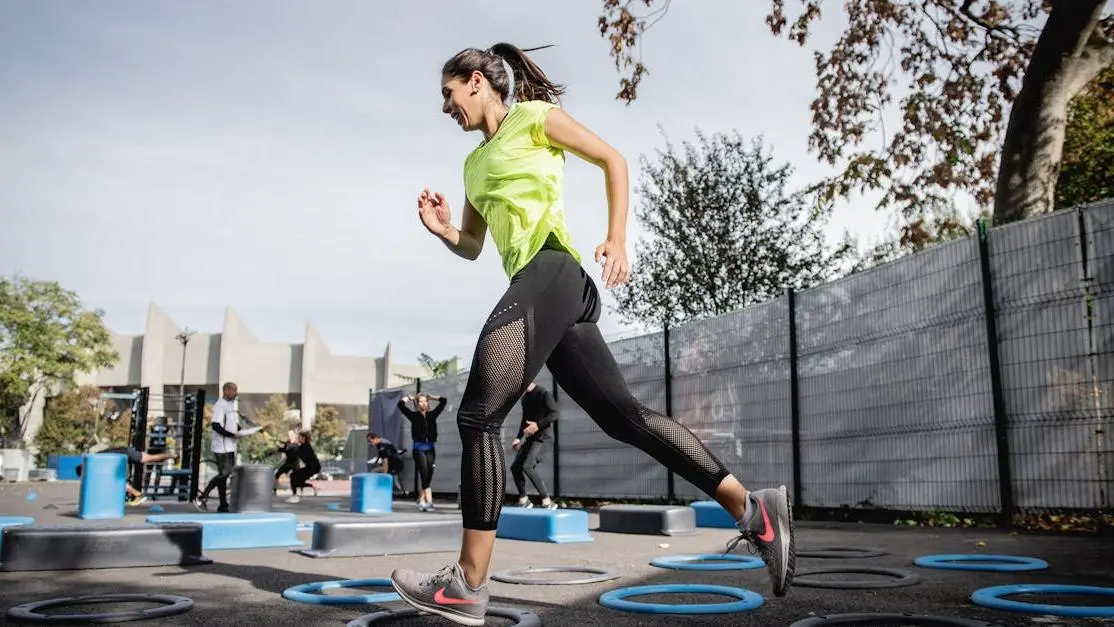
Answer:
(548, 316)
(423, 431)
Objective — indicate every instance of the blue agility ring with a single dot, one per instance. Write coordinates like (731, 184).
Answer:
(616, 599)
(991, 597)
(1006, 563)
(307, 592)
(702, 561)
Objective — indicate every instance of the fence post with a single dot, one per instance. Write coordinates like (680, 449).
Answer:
(139, 430)
(671, 488)
(1087, 282)
(197, 419)
(555, 427)
(1001, 421)
(794, 400)
(417, 477)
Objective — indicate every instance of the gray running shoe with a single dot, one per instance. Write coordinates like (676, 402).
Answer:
(768, 526)
(444, 593)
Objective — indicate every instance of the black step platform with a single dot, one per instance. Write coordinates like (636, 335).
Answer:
(79, 547)
(387, 535)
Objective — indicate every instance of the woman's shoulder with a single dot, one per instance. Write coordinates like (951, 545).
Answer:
(535, 105)
(533, 109)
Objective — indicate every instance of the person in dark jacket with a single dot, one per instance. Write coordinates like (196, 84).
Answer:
(384, 456)
(423, 431)
(539, 412)
(289, 452)
(310, 466)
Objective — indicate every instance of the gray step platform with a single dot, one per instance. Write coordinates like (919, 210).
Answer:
(80, 547)
(386, 535)
(651, 520)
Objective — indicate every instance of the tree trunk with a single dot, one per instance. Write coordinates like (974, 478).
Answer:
(1068, 55)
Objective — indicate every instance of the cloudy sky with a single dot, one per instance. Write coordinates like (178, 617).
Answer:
(266, 156)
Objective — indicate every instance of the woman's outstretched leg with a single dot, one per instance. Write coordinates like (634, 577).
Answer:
(582, 364)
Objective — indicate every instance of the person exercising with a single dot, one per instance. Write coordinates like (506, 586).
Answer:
(423, 431)
(387, 458)
(548, 316)
(310, 466)
(539, 412)
(289, 452)
(135, 458)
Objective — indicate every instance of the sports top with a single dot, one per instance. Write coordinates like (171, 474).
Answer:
(513, 180)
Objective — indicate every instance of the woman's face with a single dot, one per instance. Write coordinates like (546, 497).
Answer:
(423, 403)
(462, 100)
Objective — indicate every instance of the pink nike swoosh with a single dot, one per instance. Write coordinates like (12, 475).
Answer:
(440, 598)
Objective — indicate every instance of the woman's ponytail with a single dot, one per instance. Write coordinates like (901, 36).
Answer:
(525, 81)
(530, 82)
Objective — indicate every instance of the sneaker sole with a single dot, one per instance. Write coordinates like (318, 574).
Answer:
(460, 619)
(788, 550)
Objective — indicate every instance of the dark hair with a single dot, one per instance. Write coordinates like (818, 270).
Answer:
(530, 82)
(371, 435)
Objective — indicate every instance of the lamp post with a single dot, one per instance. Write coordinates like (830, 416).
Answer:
(184, 338)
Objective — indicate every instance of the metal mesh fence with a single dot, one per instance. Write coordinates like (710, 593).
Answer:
(592, 464)
(1099, 251)
(895, 398)
(1042, 344)
(895, 404)
(731, 388)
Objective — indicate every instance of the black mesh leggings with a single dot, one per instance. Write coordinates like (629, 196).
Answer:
(548, 316)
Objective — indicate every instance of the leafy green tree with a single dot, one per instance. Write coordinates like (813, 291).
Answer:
(329, 432)
(46, 337)
(982, 89)
(262, 447)
(206, 437)
(113, 431)
(726, 232)
(69, 421)
(1087, 172)
(77, 420)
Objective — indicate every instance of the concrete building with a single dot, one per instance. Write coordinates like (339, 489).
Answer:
(306, 374)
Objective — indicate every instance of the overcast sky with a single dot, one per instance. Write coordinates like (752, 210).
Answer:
(267, 156)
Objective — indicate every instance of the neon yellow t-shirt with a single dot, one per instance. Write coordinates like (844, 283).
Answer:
(514, 182)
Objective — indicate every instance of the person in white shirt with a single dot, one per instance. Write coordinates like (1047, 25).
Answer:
(225, 435)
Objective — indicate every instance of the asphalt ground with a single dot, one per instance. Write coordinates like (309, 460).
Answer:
(244, 587)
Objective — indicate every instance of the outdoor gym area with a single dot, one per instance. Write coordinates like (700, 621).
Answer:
(71, 552)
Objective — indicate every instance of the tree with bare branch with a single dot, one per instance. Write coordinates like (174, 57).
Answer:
(985, 83)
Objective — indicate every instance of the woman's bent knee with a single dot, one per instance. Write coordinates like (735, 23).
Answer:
(475, 423)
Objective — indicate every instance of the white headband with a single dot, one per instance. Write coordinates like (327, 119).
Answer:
(510, 79)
